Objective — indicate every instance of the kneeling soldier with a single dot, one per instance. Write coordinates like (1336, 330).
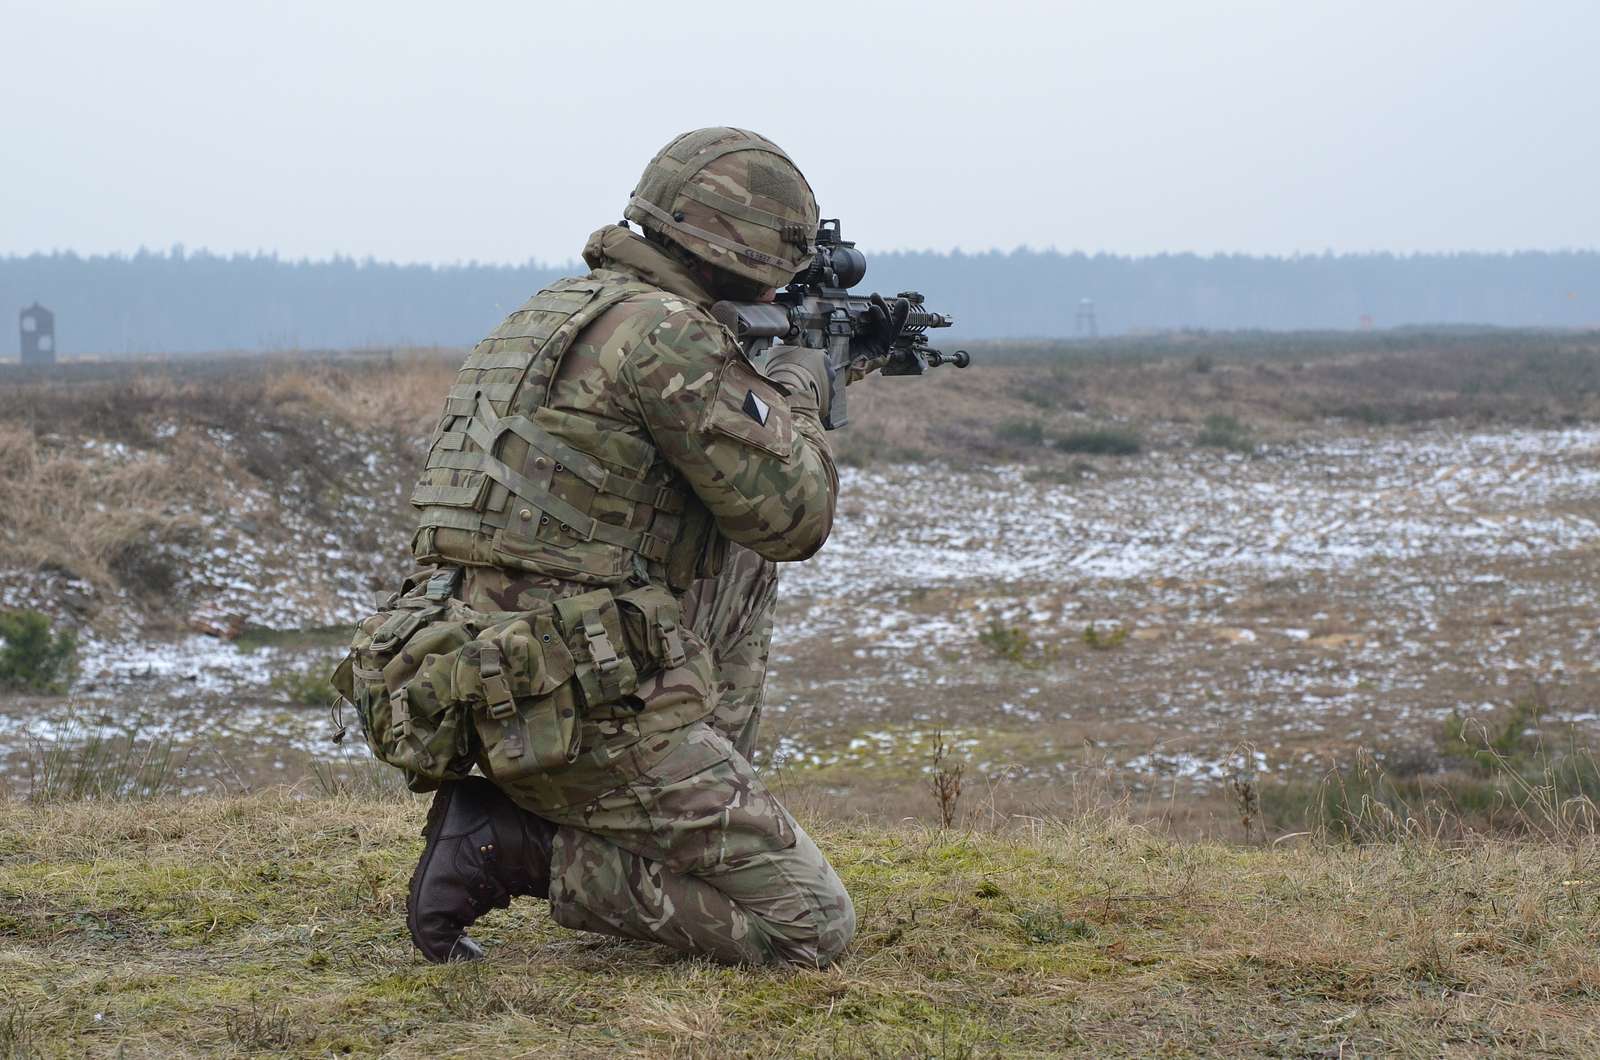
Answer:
(596, 456)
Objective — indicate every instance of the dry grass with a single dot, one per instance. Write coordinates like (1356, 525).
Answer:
(1074, 390)
(274, 924)
(110, 480)
(109, 476)
(104, 520)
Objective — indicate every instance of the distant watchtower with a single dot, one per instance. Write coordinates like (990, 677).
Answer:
(38, 326)
(1085, 324)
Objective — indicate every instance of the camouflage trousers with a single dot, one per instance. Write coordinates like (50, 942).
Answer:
(673, 838)
(733, 613)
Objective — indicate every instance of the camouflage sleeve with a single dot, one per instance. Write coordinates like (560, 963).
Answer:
(758, 458)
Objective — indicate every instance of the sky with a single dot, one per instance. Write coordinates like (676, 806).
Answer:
(507, 131)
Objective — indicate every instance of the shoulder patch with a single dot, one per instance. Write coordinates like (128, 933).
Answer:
(755, 408)
(749, 409)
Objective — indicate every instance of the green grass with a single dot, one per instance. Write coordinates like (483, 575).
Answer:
(273, 924)
(1102, 639)
(1222, 431)
(254, 638)
(1027, 433)
(1494, 774)
(1014, 644)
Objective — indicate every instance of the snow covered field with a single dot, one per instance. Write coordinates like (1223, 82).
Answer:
(1343, 591)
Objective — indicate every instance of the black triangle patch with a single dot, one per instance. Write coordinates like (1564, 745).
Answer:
(756, 409)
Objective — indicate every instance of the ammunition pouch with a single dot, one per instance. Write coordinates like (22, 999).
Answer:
(439, 687)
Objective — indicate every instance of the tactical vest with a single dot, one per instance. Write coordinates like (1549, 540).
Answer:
(510, 482)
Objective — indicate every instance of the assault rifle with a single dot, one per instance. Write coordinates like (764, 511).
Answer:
(818, 310)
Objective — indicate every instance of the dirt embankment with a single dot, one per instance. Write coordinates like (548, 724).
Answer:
(208, 495)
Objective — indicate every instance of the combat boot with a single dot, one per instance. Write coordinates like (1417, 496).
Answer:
(482, 850)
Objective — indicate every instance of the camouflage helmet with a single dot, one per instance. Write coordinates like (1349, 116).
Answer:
(732, 199)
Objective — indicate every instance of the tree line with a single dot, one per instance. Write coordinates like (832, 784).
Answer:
(178, 302)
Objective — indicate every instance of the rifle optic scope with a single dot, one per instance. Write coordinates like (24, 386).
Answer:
(838, 263)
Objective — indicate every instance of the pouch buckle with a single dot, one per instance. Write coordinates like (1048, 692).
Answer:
(400, 727)
(673, 641)
(601, 651)
(496, 690)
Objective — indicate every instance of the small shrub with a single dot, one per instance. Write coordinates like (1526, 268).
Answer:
(1007, 642)
(150, 559)
(17, 1035)
(1028, 432)
(32, 657)
(1076, 471)
(1202, 364)
(1102, 441)
(305, 688)
(96, 764)
(1246, 792)
(1013, 644)
(1222, 431)
(1050, 927)
(356, 776)
(945, 781)
(1505, 739)
(1104, 641)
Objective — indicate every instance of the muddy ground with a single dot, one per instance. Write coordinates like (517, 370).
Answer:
(1369, 542)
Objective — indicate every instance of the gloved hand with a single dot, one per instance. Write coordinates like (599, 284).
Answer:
(805, 374)
(870, 348)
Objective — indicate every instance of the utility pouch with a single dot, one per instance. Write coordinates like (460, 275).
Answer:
(407, 723)
(518, 677)
(592, 626)
(651, 620)
(440, 687)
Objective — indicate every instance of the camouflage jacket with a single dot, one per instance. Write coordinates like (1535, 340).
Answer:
(653, 389)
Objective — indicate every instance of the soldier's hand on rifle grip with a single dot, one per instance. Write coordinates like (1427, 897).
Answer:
(870, 347)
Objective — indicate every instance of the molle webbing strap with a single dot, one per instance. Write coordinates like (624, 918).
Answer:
(600, 299)
(501, 356)
(486, 429)
(453, 519)
(536, 496)
(501, 392)
(585, 467)
(496, 689)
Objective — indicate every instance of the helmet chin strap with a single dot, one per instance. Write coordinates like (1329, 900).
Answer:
(718, 282)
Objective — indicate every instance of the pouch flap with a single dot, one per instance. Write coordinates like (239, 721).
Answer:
(751, 409)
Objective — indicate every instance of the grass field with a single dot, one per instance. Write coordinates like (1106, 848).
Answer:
(273, 924)
(1266, 668)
